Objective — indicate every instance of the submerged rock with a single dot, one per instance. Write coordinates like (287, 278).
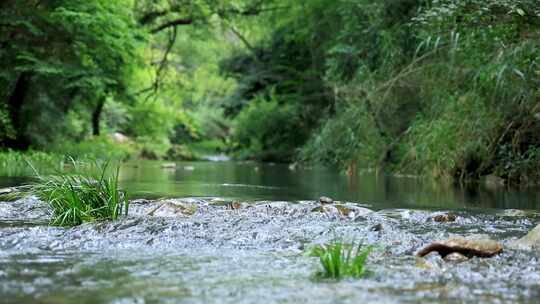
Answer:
(376, 227)
(445, 218)
(13, 193)
(234, 205)
(325, 200)
(529, 241)
(168, 209)
(341, 210)
(5, 191)
(353, 211)
(455, 257)
(467, 247)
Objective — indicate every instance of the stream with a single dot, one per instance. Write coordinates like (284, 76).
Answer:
(226, 232)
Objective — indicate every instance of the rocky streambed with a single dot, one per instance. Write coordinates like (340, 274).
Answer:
(209, 250)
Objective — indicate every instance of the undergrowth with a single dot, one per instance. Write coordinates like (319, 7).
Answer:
(16, 163)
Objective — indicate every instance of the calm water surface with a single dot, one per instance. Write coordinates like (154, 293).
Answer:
(252, 181)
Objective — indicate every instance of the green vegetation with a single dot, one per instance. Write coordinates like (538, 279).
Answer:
(446, 88)
(16, 163)
(83, 197)
(341, 260)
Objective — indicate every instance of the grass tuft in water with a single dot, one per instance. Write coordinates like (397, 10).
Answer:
(83, 197)
(340, 260)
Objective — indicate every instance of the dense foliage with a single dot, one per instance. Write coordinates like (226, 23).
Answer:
(445, 87)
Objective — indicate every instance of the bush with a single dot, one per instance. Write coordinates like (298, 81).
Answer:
(349, 135)
(267, 130)
(456, 141)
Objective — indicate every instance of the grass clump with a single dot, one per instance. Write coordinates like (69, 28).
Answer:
(340, 260)
(83, 196)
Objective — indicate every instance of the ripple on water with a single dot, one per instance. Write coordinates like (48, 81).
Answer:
(254, 253)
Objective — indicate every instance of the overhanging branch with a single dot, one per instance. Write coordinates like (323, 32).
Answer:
(173, 23)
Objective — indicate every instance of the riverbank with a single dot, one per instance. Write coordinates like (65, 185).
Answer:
(57, 157)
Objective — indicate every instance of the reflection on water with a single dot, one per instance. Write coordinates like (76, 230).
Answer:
(253, 181)
(257, 254)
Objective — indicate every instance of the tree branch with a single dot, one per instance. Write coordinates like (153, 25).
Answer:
(151, 16)
(244, 40)
(172, 23)
(162, 65)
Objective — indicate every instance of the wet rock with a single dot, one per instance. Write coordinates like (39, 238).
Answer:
(140, 201)
(529, 241)
(293, 166)
(444, 218)
(328, 210)
(277, 205)
(5, 191)
(404, 214)
(11, 194)
(376, 227)
(347, 211)
(467, 247)
(430, 262)
(353, 211)
(220, 202)
(455, 257)
(234, 205)
(168, 209)
(325, 200)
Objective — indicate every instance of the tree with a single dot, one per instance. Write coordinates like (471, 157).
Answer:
(59, 52)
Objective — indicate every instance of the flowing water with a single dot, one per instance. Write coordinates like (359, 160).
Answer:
(224, 232)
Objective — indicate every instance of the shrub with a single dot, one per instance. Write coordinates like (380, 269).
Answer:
(83, 197)
(267, 129)
(349, 135)
(455, 142)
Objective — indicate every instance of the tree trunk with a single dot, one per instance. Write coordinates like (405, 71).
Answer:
(96, 116)
(15, 104)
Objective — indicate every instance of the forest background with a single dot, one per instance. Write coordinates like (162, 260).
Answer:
(441, 87)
